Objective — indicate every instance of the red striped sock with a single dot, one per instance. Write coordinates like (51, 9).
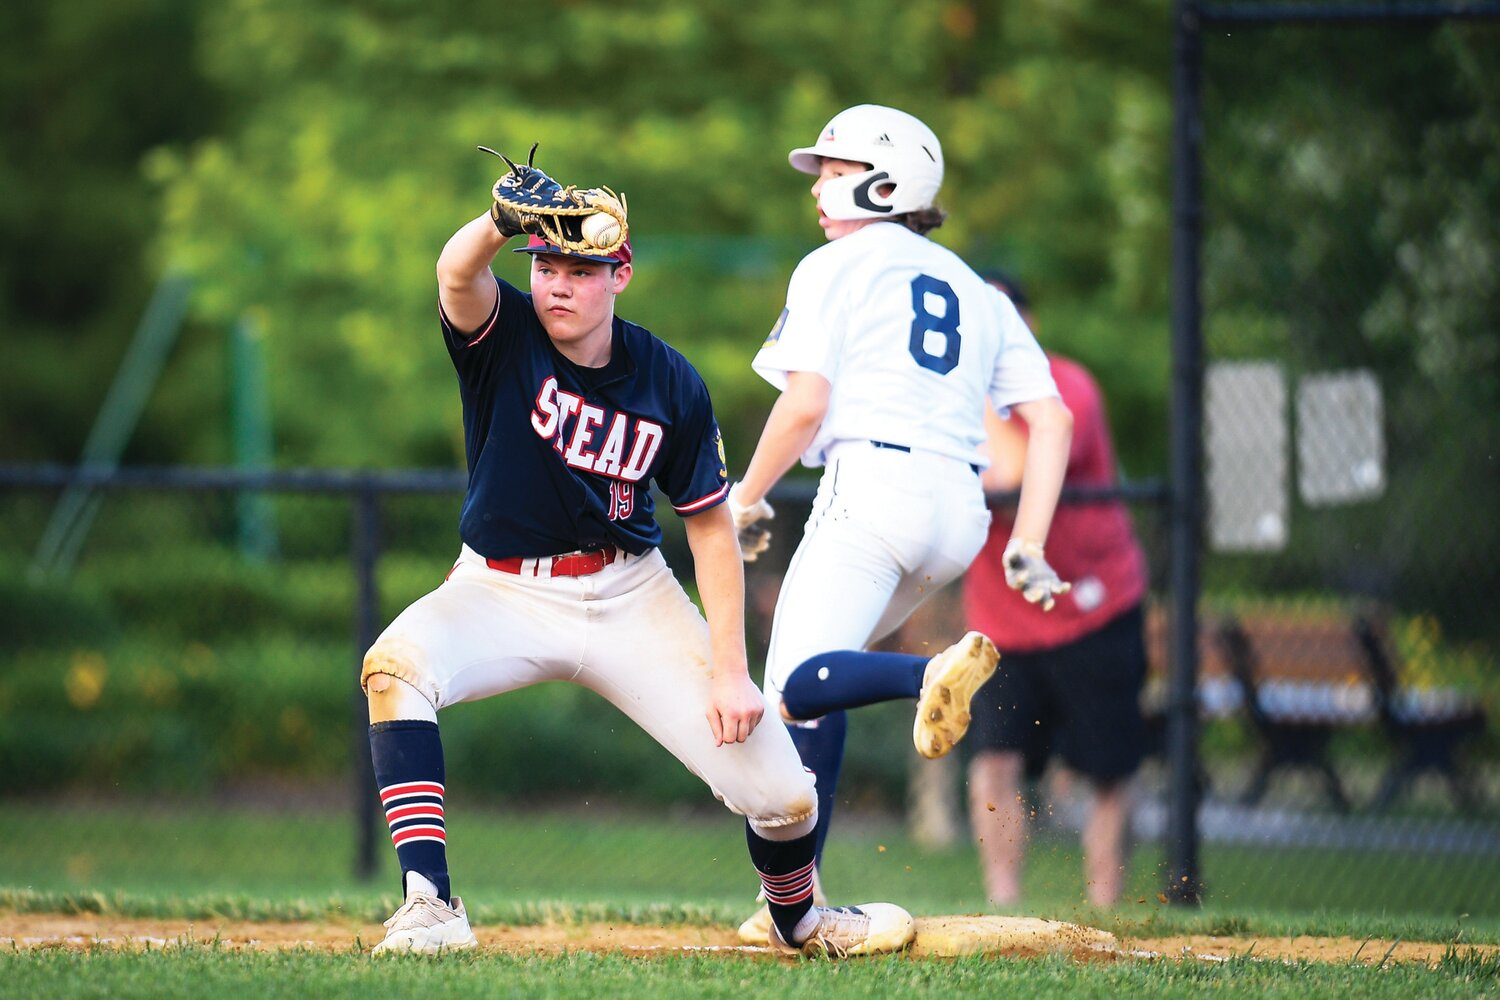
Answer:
(414, 812)
(408, 759)
(786, 870)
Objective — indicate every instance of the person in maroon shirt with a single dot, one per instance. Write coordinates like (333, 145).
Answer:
(1069, 681)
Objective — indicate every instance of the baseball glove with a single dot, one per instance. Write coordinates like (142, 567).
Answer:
(528, 201)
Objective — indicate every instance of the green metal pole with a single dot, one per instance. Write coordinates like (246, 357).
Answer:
(250, 426)
(121, 411)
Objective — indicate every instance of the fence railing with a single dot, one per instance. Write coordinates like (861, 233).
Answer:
(359, 544)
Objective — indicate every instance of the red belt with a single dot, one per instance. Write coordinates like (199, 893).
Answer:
(572, 564)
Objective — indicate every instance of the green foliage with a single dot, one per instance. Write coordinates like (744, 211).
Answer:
(87, 88)
(154, 710)
(305, 165)
(142, 716)
(321, 204)
(1352, 184)
(190, 667)
(49, 614)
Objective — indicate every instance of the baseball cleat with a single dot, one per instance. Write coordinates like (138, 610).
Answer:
(426, 925)
(948, 686)
(844, 931)
(757, 929)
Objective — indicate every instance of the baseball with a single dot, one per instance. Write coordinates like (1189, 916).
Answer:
(601, 229)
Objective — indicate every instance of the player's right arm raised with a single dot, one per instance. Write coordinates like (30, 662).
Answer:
(466, 285)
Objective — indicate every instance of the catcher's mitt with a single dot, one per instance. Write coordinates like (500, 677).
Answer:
(528, 201)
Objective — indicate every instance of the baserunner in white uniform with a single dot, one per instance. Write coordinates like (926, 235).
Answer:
(885, 354)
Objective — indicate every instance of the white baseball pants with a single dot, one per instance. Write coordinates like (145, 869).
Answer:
(628, 632)
(887, 529)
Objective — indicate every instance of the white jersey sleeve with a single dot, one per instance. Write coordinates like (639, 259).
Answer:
(808, 335)
(1022, 371)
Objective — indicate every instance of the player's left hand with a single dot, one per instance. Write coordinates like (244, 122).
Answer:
(754, 537)
(735, 707)
(1026, 570)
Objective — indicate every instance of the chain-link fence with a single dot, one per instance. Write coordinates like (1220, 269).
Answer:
(1349, 304)
(172, 637)
(205, 642)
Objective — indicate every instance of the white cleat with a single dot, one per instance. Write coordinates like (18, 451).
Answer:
(757, 929)
(426, 925)
(845, 931)
(948, 686)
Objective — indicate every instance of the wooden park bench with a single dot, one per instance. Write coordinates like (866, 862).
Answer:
(1301, 678)
(1426, 729)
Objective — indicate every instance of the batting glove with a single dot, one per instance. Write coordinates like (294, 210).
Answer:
(754, 537)
(1026, 570)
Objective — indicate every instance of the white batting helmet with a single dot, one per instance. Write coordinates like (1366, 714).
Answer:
(901, 151)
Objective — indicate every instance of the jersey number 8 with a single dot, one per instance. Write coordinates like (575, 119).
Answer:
(925, 321)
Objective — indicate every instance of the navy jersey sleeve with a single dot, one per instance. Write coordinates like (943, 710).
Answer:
(695, 476)
(476, 352)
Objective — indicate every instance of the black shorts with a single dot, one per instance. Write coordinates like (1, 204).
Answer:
(1080, 701)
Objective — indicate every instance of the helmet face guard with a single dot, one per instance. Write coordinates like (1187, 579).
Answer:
(902, 152)
(858, 196)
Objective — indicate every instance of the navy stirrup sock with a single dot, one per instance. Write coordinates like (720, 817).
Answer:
(408, 759)
(849, 679)
(786, 873)
(820, 744)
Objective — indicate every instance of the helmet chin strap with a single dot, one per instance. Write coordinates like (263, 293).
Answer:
(856, 196)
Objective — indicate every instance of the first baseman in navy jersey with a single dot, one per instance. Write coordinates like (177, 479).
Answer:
(570, 414)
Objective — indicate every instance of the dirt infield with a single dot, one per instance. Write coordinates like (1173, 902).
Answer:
(936, 937)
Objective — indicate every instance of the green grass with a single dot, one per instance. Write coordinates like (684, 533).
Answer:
(522, 865)
(597, 862)
(206, 970)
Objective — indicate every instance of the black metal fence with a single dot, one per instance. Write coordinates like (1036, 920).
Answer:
(126, 674)
(1334, 417)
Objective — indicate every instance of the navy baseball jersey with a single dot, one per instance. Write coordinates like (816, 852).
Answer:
(560, 456)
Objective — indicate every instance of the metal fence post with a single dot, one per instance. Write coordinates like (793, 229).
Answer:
(366, 549)
(1183, 882)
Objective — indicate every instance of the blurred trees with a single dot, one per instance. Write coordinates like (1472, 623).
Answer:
(342, 155)
(89, 87)
(1353, 222)
(304, 163)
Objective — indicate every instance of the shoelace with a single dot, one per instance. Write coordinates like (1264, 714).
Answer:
(413, 904)
(838, 930)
